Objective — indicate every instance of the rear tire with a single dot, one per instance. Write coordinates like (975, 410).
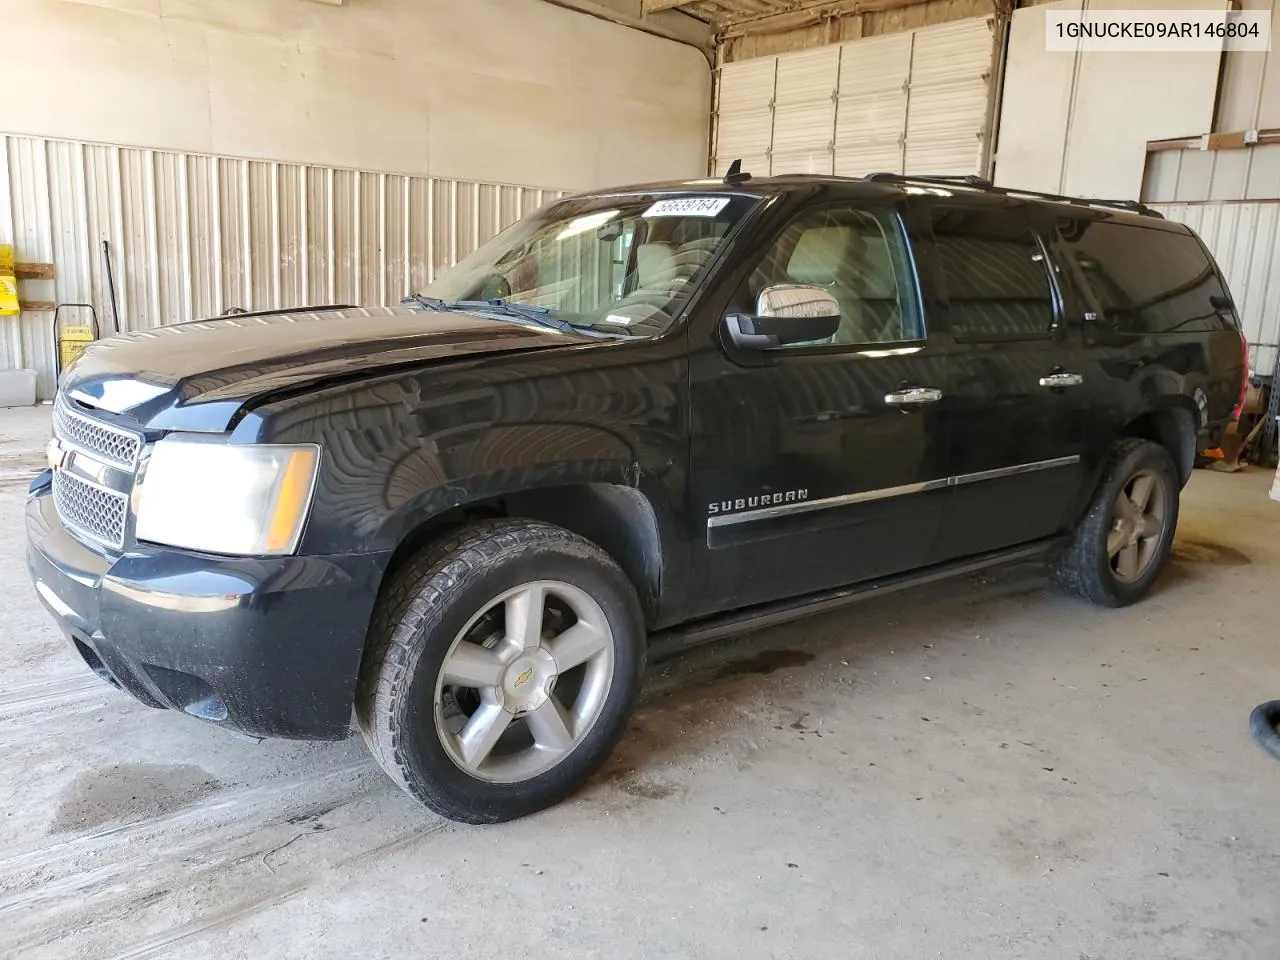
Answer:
(1122, 543)
(503, 665)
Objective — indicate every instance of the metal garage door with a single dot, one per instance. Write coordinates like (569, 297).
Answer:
(916, 102)
(744, 120)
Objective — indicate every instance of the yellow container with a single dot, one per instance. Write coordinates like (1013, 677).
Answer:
(8, 282)
(72, 339)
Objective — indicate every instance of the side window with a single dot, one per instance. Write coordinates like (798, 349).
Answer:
(859, 256)
(994, 273)
(1144, 279)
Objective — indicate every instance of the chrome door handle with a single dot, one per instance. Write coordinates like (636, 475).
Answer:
(1062, 379)
(913, 395)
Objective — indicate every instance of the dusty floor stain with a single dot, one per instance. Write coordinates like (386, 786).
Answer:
(765, 662)
(1205, 551)
(130, 791)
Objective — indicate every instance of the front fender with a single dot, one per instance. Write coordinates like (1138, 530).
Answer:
(416, 508)
(405, 451)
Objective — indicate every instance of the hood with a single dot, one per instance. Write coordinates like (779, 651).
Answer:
(198, 375)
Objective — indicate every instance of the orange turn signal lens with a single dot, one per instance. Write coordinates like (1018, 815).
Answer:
(292, 500)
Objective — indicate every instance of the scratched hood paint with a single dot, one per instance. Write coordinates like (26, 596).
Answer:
(198, 375)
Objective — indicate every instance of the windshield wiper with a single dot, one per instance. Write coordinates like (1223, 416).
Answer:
(428, 303)
(537, 315)
(501, 305)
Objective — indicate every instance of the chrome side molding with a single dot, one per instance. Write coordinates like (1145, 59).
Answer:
(865, 496)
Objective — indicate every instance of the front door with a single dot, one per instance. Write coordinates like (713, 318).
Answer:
(821, 464)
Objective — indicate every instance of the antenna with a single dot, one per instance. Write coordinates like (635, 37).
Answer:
(735, 174)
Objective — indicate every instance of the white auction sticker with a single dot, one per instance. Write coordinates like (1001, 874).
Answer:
(688, 207)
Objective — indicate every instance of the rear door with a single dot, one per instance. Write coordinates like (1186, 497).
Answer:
(1018, 417)
(1159, 328)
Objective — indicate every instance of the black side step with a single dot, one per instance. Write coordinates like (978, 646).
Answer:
(665, 643)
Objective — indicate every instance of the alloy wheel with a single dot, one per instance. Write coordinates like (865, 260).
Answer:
(1138, 525)
(524, 681)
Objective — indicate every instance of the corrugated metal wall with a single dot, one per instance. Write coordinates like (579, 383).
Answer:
(917, 102)
(193, 235)
(1245, 240)
(1191, 176)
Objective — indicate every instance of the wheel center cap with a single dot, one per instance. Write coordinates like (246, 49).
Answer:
(1128, 529)
(527, 680)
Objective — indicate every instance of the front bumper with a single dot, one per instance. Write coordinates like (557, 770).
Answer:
(269, 647)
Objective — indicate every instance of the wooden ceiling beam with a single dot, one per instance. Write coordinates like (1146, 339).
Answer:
(809, 15)
(670, 25)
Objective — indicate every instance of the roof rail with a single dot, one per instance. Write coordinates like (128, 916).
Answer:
(986, 186)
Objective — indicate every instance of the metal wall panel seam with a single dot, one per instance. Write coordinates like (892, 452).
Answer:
(38, 221)
(382, 238)
(357, 245)
(333, 242)
(773, 114)
(86, 234)
(453, 222)
(10, 327)
(407, 217)
(246, 237)
(304, 229)
(152, 229)
(430, 230)
(276, 245)
(906, 111)
(835, 106)
(1239, 268)
(184, 236)
(474, 217)
(1268, 309)
(215, 213)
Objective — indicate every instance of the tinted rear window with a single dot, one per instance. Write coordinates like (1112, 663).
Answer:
(994, 273)
(1145, 280)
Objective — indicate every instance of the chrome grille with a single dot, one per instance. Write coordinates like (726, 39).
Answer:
(94, 511)
(112, 444)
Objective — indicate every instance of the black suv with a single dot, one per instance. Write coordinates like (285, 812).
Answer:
(634, 420)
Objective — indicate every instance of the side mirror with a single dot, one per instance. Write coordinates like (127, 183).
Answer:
(785, 313)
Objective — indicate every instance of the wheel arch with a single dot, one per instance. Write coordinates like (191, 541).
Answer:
(1173, 425)
(618, 517)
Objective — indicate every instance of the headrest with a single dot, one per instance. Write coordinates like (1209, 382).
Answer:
(821, 255)
(874, 272)
(655, 264)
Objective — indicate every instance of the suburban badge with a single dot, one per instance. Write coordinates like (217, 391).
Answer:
(761, 500)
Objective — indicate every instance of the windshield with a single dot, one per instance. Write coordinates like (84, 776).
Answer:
(621, 265)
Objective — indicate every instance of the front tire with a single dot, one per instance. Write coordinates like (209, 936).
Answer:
(1122, 543)
(502, 667)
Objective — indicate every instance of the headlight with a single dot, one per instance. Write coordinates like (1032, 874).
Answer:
(217, 497)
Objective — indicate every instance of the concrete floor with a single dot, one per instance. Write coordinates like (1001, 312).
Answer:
(983, 769)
